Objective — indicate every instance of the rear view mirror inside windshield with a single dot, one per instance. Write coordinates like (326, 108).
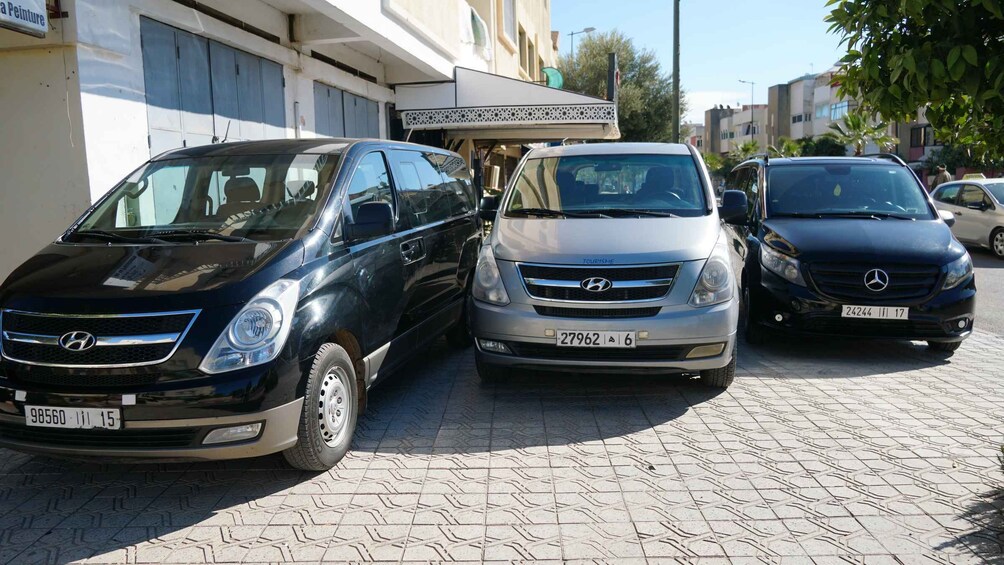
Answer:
(841, 170)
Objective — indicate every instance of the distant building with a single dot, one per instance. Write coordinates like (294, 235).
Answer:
(725, 128)
(696, 136)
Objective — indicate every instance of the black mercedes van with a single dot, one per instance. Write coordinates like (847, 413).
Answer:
(851, 247)
(237, 300)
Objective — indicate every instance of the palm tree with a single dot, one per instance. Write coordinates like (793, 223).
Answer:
(786, 147)
(742, 151)
(857, 131)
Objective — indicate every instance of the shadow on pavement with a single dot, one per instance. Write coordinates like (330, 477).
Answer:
(981, 528)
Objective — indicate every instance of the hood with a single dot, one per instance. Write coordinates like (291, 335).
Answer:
(84, 278)
(605, 241)
(867, 240)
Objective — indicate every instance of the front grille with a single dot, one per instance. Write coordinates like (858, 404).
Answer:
(82, 382)
(632, 283)
(151, 338)
(110, 439)
(641, 353)
(873, 328)
(846, 281)
(556, 312)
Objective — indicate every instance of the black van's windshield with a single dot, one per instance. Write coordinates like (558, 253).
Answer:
(233, 198)
(842, 190)
(615, 186)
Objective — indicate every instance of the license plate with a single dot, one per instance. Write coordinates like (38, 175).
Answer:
(571, 338)
(73, 418)
(876, 312)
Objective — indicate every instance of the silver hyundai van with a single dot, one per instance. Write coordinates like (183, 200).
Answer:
(608, 257)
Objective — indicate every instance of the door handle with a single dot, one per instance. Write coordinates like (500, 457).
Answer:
(412, 250)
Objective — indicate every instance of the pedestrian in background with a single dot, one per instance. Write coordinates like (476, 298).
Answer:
(941, 177)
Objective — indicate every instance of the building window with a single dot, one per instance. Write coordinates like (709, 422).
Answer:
(522, 49)
(700, 142)
(509, 18)
(822, 110)
(808, 117)
(796, 119)
(917, 137)
(531, 60)
(839, 110)
(540, 69)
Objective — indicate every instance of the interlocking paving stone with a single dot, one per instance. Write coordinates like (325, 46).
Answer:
(820, 453)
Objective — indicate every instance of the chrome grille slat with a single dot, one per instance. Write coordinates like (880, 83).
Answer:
(628, 283)
(120, 340)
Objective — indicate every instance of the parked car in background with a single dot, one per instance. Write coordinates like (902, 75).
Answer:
(978, 205)
(847, 246)
(237, 300)
(577, 277)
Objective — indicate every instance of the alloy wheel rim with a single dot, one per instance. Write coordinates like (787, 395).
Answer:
(333, 406)
(999, 244)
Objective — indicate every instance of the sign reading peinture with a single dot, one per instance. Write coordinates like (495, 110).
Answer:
(26, 16)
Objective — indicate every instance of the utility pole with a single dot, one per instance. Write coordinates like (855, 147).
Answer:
(676, 71)
(752, 121)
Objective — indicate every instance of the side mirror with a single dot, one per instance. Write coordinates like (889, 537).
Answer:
(981, 205)
(489, 208)
(947, 217)
(734, 207)
(372, 219)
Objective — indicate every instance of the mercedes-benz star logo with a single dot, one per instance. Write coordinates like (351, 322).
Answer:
(876, 280)
(596, 284)
(77, 341)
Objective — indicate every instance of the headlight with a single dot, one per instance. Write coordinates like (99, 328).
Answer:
(958, 271)
(714, 286)
(257, 333)
(781, 265)
(488, 286)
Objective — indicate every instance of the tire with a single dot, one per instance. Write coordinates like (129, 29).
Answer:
(331, 382)
(943, 346)
(997, 242)
(720, 378)
(488, 373)
(753, 332)
(459, 336)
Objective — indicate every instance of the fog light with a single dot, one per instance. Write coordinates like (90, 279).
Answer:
(549, 333)
(234, 433)
(706, 350)
(962, 323)
(778, 318)
(492, 346)
(643, 334)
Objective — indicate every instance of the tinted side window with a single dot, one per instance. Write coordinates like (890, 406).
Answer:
(420, 188)
(370, 183)
(458, 186)
(947, 194)
(972, 195)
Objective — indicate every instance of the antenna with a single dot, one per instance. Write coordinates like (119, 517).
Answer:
(226, 135)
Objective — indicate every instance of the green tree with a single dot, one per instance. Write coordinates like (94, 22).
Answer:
(857, 131)
(786, 147)
(825, 145)
(945, 55)
(742, 151)
(645, 98)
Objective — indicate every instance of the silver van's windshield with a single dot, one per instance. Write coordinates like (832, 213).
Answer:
(231, 198)
(615, 186)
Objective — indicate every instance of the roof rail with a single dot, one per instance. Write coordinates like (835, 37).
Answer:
(887, 156)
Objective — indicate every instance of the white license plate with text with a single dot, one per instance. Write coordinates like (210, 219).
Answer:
(876, 312)
(575, 338)
(73, 418)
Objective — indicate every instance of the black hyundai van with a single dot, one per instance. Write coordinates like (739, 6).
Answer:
(848, 246)
(237, 300)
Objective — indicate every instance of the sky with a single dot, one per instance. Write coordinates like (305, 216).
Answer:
(721, 41)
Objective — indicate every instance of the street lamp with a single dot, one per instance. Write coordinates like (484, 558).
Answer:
(752, 84)
(572, 35)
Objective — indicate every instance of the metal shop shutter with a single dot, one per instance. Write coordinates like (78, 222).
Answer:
(343, 114)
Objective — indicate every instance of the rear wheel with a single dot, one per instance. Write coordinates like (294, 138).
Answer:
(487, 372)
(720, 378)
(997, 242)
(330, 410)
(944, 347)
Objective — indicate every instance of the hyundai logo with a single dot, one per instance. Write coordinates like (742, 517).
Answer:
(77, 341)
(876, 280)
(596, 284)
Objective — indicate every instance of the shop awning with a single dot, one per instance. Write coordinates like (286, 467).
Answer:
(487, 107)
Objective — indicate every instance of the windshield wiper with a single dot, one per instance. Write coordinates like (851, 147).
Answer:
(863, 214)
(110, 236)
(183, 235)
(637, 212)
(549, 213)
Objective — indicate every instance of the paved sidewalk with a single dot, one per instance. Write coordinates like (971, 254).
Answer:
(820, 453)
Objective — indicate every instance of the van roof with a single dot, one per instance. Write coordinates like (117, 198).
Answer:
(611, 149)
(315, 146)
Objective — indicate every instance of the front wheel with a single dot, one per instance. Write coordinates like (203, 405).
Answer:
(944, 347)
(997, 242)
(754, 333)
(488, 373)
(460, 336)
(720, 378)
(330, 411)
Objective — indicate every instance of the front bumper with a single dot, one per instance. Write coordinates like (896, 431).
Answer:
(166, 421)
(947, 316)
(671, 335)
